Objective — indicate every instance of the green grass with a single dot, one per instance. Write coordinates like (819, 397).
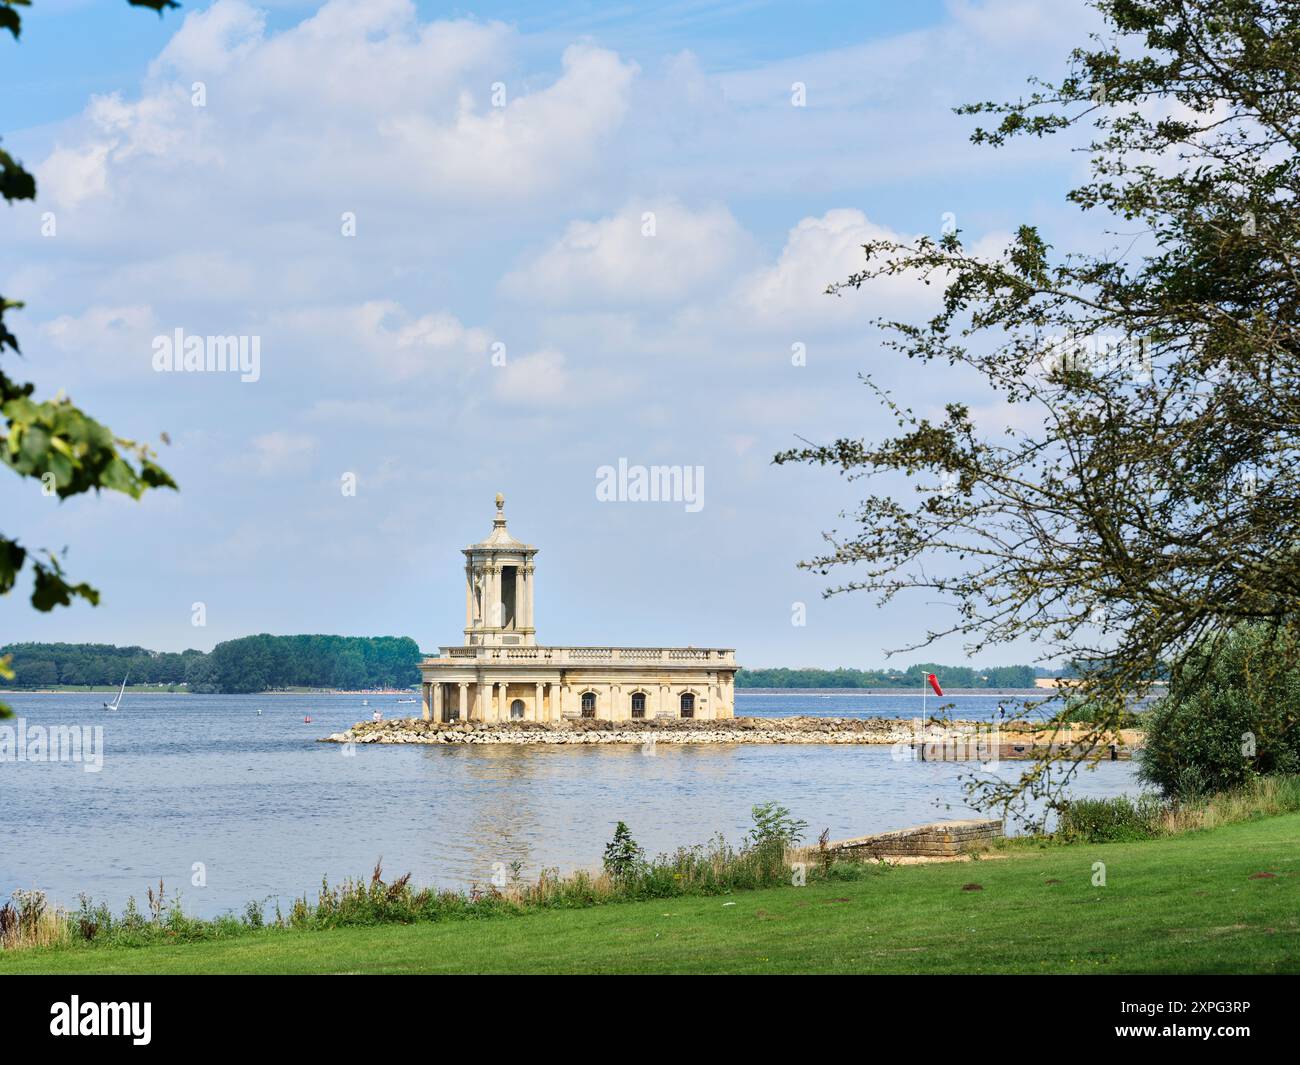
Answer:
(1184, 904)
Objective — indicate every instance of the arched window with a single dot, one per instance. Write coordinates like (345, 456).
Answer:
(638, 704)
(588, 704)
(688, 704)
(517, 710)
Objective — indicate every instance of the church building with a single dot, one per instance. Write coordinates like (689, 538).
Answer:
(502, 673)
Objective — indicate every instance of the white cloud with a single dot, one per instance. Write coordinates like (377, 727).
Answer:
(212, 41)
(97, 327)
(537, 379)
(818, 252)
(70, 176)
(533, 143)
(279, 453)
(649, 253)
(545, 379)
(361, 101)
(392, 340)
(822, 251)
(1010, 25)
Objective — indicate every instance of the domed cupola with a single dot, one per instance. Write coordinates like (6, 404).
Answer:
(499, 588)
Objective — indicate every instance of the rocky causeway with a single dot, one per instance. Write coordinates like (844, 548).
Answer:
(870, 730)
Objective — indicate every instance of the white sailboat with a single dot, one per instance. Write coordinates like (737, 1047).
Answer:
(118, 701)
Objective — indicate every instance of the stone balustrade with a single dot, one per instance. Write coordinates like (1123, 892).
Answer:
(561, 656)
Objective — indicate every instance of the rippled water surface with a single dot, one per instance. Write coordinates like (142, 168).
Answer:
(268, 811)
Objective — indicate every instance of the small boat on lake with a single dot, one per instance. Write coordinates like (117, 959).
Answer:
(118, 701)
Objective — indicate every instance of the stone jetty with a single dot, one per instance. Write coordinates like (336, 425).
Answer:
(851, 730)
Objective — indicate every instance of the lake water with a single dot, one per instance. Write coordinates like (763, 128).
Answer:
(267, 811)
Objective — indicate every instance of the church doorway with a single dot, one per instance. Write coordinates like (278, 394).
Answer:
(517, 710)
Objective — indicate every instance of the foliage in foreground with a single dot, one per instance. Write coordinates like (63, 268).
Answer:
(703, 870)
(1143, 489)
(715, 868)
(53, 441)
(1162, 913)
(1119, 819)
(1113, 820)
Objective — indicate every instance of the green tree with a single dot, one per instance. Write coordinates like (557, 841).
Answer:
(774, 825)
(53, 441)
(1231, 714)
(349, 669)
(622, 854)
(1156, 501)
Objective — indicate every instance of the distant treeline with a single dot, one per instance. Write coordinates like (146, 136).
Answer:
(912, 677)
(249, 664)
(265, 663)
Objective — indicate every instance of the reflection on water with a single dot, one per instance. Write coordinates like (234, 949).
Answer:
(267, 811)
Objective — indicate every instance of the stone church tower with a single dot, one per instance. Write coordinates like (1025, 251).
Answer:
(499, 589)
(501, 673)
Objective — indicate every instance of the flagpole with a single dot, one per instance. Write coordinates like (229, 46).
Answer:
(922, 740)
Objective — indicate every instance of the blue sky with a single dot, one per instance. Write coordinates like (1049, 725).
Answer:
(513, 228)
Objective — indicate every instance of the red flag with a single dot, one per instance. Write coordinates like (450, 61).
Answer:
(934, 683)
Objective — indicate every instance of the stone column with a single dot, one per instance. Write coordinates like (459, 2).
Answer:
(469, 598)
(425, 711)
(494, 596)
(537, 704)
(664, 708)
(437, 701)
(503, 709)
(463, 709)
(528, 595)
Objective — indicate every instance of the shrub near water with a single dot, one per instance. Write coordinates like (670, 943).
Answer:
(713, 868)
(1232, 714)
(1113, 820)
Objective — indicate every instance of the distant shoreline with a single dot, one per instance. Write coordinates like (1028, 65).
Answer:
(988, 692)
(157, 691)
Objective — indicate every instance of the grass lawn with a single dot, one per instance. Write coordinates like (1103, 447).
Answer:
(1186, 904)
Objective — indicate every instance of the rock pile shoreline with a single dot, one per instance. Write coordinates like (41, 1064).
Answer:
(858, 730)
